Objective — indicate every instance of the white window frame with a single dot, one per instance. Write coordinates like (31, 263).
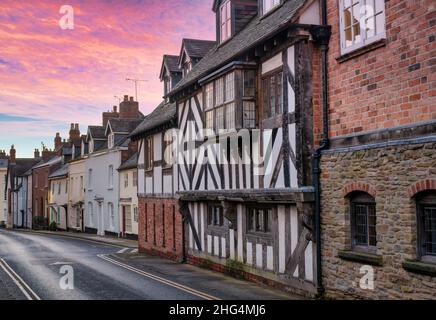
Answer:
(110, 176)
(364, 41)
(126, 180)
(268, 5)
(90, 179)
(111, 140)
(226, 21)
(135, 179)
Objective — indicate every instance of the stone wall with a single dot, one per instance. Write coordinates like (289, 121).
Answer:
(389, 174)
(160, 227)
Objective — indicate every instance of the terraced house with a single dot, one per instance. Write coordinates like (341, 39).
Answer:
(109, 147)
(247, 118)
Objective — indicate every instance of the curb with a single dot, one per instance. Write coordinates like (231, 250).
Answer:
(76, 237)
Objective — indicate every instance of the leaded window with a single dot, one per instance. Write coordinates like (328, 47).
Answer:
(215, 216)
(272, 90)
(426, 205)
(249, 114)
(219, 116)
(259, 220)
(230, 116)
(363, 221)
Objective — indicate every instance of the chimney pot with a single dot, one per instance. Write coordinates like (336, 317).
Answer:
(131, 99)
(115, 109)
(12, 154)
(126, 98)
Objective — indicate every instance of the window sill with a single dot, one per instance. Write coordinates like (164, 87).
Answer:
(419, 267)
(360, 51)
(362, 257)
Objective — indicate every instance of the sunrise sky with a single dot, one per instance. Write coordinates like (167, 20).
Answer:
(51, 77)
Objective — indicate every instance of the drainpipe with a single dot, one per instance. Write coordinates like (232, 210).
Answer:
(323, 35)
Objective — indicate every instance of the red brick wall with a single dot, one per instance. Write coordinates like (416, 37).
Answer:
(40, 191)
(317, 95)
(159, 219)
(389, 86)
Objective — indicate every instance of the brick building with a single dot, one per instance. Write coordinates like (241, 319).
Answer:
(378, 176)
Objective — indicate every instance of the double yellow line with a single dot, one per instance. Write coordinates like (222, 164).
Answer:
(19, 282)
(170, 283)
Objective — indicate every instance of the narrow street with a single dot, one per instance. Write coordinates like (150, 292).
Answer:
(30, 268)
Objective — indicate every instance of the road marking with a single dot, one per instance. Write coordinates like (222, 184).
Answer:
(134, 251)
(159, 279)
(61, 263)
(123, 250)
(21, 284)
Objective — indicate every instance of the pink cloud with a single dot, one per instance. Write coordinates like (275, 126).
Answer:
(57, 75)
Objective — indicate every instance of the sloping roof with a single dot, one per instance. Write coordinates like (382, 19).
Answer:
(124, 125)
(61, 172)
(172, 63)
(164, 113)
(257, 30)
(131, 163)
(197, 48)
(23, 165)
(49, 162)
(97, 132)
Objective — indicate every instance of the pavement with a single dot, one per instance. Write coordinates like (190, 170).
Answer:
(63, 266)
(86, 236)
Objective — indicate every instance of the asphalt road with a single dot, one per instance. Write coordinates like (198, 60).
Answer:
(36, 266)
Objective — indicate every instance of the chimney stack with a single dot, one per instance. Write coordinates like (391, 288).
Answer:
(74, 131)
(129, 108)
(12, 154)
(57, 141)
(36, 154)
(47, 154)
(110, 115)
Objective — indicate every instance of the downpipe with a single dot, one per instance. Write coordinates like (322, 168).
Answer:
(323, 37)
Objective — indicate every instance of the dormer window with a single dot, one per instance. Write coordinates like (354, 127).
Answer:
(268, 5)
(226, 20)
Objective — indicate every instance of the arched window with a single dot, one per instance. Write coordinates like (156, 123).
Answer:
(426, 217)
(363, 221)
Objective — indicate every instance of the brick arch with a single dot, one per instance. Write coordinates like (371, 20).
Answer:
(422, 185)
(359, 186)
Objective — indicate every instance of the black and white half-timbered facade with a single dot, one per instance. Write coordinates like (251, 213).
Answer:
(160, 222)
(245, 117)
